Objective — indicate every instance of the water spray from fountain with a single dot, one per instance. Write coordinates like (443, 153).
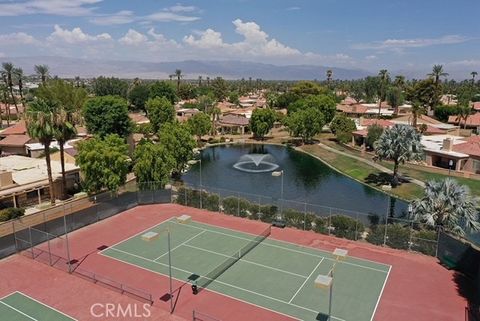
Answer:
(256, 163)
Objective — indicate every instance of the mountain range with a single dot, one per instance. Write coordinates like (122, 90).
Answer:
(228, 69)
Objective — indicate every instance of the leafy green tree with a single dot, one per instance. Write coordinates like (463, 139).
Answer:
(104, 163)
(220, 88)
(448, 205)
(357, 90)
(199, 125)
(187, 91)
(371, 88)
(464, 111)
(305, 123)
(443, 112)
(233, 98)
(163, 89)
(104, 86)
(138, 96)
(153, 163)
(107, 115)
(400, 144)
(262, 121)
(160, 111)
(179, 142)
(325, 104)
(307, 88)
(394, 98)
(40, 121)
(425, 93)
(286, 99)
(373, 134)
(342, 127)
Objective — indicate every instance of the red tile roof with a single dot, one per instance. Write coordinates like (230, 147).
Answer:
(362, 132)
(18, 129)
(472, 120)
(434, 130)
(476, 105)
(470, 148)
(352, 109)
(380, 122)
(15, 140)
(234, 120)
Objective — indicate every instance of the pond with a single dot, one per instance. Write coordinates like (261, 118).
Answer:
(247, 169)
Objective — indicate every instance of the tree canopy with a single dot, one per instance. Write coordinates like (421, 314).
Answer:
(153, 163)
(138, 96)
(107, 115)
(103, 163)
(179, 142)
(262, 121)
(305, 123)
(104, 86)
(324, 103)
(200, 125)
(160, 111)
(342, 127)
(163, 89)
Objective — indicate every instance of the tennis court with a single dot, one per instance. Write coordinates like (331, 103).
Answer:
(275, 275)
(20, 307)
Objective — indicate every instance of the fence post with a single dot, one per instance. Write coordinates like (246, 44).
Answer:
(31, 243)
(385, 235)
(304, 216)
(238, 204)
(356, 226)
(66, 240)
(329, 220)
(438, 241)
(410, 236)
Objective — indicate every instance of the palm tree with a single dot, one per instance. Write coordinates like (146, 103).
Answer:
(329, 75)
(474, 74)
(447, 205)
(417, 110)
(199, 81)
(7, 74)
(395, 98)
(40, 121)
(400, 81)
(64, 131)
(400, 144)
(382, 89)
(463, 113)
(178, 74)
(18, 72)
(208, 81)
(437, 73)
(42, 71)
(4, 97)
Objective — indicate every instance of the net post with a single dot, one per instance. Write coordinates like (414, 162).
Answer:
(49, 250)
(69, 263)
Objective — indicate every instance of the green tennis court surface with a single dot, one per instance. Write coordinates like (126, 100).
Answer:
(275, 275)
(19, 307)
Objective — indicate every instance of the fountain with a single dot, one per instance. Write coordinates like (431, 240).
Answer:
(256, 163)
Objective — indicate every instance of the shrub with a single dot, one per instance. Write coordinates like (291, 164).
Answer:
(11, 213)
(425, 241)
(293, 218)
(346, 227)
(344, 137)
(268, 213)
(398, 236)
(376, 235)
(320, 226)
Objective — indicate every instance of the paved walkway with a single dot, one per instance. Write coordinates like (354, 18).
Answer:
(371, 163)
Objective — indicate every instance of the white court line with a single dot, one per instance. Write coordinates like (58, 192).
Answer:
(14, 309)
(176, 247)
(288, 249)
(247, 261)
(141, 232)
(381, 293)
(217, 281)
(46, 305)
(303, 284)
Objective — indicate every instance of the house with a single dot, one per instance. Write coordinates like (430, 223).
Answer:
(138, 118)
(433, 125)
(183, 114)
(472, 122)
(24, 180)
(13, 140)
(36, 150)
(476, 106)
(355, 110)
(359, 136)
(453, 152)
(233, 124)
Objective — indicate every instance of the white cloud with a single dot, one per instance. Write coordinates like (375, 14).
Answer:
(17, 38)
(371, 57)
(121, 17)
(181, 8)
(208, 39)
(76, 35)
(396, 44)
(293, 8)
(53, 7)
(133, 38)
(165, 16)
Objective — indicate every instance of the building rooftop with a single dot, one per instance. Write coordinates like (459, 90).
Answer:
(472, 120)
(18, 129)
(434, 143)
(234, 120)
(15, 140)
(26, 170)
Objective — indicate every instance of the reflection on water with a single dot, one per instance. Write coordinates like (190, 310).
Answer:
(305, 179)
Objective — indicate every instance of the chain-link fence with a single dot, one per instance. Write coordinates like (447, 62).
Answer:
(398, 233)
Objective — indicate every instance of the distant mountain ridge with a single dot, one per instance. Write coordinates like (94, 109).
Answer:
(229, 69)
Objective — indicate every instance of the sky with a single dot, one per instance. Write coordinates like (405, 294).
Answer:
(362, 34)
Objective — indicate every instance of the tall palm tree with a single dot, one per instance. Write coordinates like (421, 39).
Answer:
(64, 131)
(18, 72)
(178, 74)
(437, 73)
(329, 75)
(463, 113)
(42, 71)
(417, 110)
(40, 121)
(382, 89)
(199, 81)
(474, 74)
(400, 144)
(400, 81)
(7, 74)
(4, 97)
(447, 205)
(208, 81)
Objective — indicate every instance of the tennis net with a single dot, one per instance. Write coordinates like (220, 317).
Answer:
(205, 280)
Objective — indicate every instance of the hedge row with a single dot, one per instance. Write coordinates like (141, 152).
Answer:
(398, 235)
(11, 213)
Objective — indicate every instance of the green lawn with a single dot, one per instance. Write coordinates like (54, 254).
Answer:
(362, 172)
